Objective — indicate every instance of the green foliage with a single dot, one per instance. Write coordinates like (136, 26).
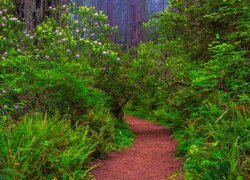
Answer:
(194, 78)
(39, 146)
(102, 123)
(61, 67)
(124, 137)
(57, 66)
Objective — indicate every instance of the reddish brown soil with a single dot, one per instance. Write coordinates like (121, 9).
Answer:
(150, 158)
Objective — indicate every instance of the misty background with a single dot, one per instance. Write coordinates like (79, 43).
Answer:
(128, 16)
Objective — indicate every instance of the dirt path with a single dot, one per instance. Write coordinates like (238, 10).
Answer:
(150, 158)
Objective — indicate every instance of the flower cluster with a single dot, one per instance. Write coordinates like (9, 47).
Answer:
(50, 44)
(6, 106)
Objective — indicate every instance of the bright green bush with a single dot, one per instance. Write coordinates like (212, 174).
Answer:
(62, 66)
(102, 124)
(124, 137)
(39, 146)
(59, 68)
(194, 78)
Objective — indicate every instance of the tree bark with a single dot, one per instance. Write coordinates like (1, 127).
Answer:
(134, 24)
(34, 11)
(129, 16)
(110, 13)
(142, 18)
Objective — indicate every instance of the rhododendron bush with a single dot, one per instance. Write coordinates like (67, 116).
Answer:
(52, 84)
(58, 53)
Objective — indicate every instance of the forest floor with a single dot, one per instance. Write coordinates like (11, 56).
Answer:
(151, 157)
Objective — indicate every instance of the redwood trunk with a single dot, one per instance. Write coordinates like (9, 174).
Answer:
(134, 24)
(34, 11)
(110, 13)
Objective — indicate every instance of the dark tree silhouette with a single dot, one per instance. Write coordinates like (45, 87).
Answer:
(34, 11)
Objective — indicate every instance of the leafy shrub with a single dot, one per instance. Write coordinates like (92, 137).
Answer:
(42, 146)
(194, 78)
(59, 67)
(102, 124)
(124, 137)
(61, 64)
(39, 146)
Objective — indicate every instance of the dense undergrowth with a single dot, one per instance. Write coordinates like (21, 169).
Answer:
(64, 84)
(194, 76)
(56, 105)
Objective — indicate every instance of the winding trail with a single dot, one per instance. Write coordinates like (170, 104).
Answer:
(151, 157)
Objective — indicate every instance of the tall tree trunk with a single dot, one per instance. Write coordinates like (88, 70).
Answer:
(134, 24)
(142, 18)
(34, 11)
(110, 13)
(129, 16)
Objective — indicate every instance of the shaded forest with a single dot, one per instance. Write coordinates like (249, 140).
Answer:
(129, 16)
(70, 71)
